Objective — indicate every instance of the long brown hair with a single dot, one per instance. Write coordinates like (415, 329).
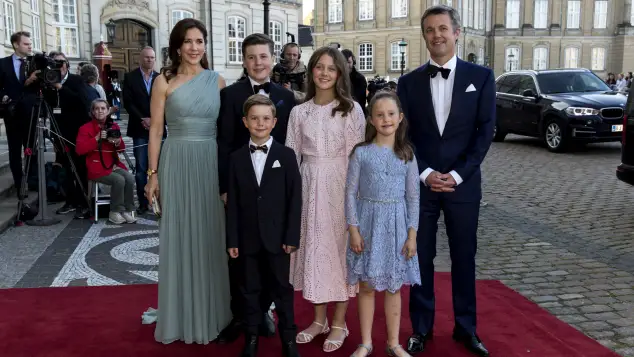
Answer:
(402, 146)
(177, 38)
(342, 87)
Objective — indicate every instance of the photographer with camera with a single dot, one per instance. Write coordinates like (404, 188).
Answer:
(66, 96)
(100, 141)
(15, 105)
(290, 72)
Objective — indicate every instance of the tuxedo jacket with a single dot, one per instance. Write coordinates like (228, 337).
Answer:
(266, 215)
(136, 102)
(232, 134)
(468, 133)
(22, 97)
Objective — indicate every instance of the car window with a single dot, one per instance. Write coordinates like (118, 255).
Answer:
(510, 84)
(499, 84)
(527, 82)
(570, 82)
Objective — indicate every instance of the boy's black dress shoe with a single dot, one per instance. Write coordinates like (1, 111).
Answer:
(250, 346)
(267, 327)
(231, 332)
(471, 342)
(416, 342)
(289, 349)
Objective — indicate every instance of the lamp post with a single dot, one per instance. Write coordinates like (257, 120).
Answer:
(110, 27)
(510, 58)
(266, 4)
(402, 46)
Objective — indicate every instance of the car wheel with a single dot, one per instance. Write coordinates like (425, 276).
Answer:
(554, 136)
(498, 134)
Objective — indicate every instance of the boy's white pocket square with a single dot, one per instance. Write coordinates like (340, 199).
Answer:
(470, 88)
(276, 164)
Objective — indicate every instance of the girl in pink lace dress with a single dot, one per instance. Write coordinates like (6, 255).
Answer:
(323, 131)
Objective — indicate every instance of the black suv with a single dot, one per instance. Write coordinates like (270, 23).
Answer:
(560, 106)
(625, 171)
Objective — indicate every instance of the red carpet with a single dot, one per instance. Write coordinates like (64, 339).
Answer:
(106, 322)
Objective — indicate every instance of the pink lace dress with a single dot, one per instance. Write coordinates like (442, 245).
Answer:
(322, 144)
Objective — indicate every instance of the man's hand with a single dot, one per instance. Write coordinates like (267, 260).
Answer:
(233, 252)
(57, 86)
(288, 248)
(6, 99)
(286, 85)
(223, 197)
(32, 78)
(146, 123)
(440, 183)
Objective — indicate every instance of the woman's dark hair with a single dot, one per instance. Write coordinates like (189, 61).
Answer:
(177, 38)
(342, 87)
(402, 146)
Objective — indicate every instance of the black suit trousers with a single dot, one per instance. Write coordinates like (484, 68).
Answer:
(263, 273)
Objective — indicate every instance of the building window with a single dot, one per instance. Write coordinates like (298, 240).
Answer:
(541, 14)
(366, 10)
(632, 14)
(449, 2)
(236, 29)
(574, 14)
(35, 6)
(459, 50)
(399, 8)
(65, 22)
(9, 20)
(36, 36)
(335, 11)
(178, 15)
(571, 57)
(600, 14)
(470, 14)
(481, 56)
(540, 58)
(512, 59)
(483, 7)
(598, 59)
(275, 31)
(366, 57)
(396, 57)
(513, 14)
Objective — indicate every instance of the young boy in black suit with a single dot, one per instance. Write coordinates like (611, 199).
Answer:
(263, 222)
(258, 56)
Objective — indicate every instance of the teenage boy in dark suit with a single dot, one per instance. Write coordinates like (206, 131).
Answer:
(264, 217)
(257, 52)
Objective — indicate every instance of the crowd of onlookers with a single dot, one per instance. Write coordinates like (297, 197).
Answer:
(619, 82)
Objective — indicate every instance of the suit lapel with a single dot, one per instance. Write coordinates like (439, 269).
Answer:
(246, 154)
(268, 165)
(459, 86)
(427, 98)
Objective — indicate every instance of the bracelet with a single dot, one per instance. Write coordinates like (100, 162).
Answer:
(151, 172)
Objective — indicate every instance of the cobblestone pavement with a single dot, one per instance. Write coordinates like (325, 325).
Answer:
(558, 228)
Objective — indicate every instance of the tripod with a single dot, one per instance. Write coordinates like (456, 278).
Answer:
(40, 113)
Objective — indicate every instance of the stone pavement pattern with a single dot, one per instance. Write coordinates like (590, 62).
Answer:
(558, 228)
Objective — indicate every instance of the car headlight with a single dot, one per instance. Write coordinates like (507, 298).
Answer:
(577, 111)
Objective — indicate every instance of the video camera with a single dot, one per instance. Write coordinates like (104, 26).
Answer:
(50, 69)
(285, 76)
(376, 84)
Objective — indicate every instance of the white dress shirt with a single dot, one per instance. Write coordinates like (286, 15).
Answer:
(441, 93)
(254, 83)
(258, 158)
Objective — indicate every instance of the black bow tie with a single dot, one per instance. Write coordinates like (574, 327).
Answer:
(264, 148)
(266, 87)
(433, 71)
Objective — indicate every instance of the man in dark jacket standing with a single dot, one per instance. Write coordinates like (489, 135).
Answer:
(357, 80)
(137, 88)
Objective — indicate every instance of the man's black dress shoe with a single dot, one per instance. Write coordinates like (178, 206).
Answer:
(267, 327)
(231, 332)
(471, 342)
(289, 349)
(250, 346)
(416, 342)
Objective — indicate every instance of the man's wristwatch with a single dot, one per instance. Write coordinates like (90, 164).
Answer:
(150, 172)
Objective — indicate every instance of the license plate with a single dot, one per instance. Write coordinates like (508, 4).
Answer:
(617, 128)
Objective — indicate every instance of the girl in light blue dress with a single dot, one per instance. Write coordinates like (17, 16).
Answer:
(382, 206)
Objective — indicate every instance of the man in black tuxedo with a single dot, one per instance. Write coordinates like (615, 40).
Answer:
(137, 88)
(70, 103)
(264, 217)
(16, 108)
(257, 50)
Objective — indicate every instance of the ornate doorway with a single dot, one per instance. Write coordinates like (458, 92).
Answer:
(130, 37)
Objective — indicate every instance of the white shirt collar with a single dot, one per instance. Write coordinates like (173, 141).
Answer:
(268, 143)
(451, 64)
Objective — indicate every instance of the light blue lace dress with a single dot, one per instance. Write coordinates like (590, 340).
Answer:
(382, 199)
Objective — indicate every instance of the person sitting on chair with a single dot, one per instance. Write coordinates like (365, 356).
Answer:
(100, 141)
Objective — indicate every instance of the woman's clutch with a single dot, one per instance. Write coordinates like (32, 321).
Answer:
(156, 206)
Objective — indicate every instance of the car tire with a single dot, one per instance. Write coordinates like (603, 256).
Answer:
(555, 135)
(498, 133)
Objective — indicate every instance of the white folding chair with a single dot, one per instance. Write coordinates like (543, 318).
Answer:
(99, 200)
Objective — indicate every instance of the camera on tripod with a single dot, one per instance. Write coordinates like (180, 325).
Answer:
(50, 69)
